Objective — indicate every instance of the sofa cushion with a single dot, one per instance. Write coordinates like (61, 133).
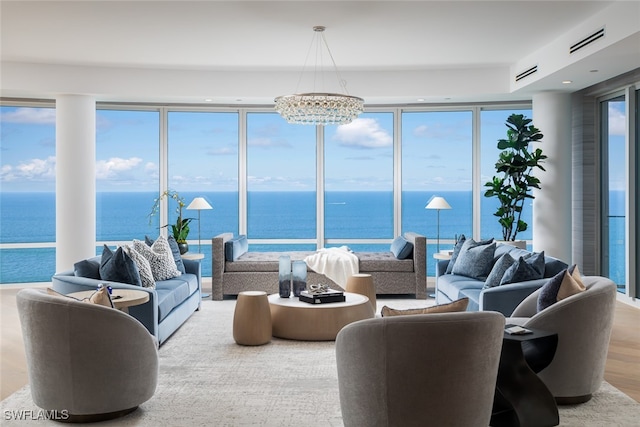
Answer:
(452, 285)
(236, 247)
(173, 292)
(498, 270)
(118, 267)
(175, 251)
(456, 252)
(526, 268)
(160, 258)
(451, 307)
(559, 287)
(89, 268)
(475, 260)
(401, 248)
(473, 294)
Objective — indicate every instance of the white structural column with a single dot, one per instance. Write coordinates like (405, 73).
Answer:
(75, 179)
(552, 205)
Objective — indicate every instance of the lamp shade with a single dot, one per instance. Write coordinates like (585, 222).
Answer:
(437, 202)
(198, 204)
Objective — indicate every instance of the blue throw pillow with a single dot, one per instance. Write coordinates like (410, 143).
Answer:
(234, 248)
(118, 267)
(456, 252)
(87, 268)
(401, 248)
(529, 268)
(475, 260)
(498, 270)
(175, 251)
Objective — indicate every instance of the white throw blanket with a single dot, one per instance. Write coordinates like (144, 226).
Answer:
(335, 263)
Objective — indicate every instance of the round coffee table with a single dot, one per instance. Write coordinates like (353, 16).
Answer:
(297, 320)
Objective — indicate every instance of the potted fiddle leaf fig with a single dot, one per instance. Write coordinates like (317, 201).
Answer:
(514, 180)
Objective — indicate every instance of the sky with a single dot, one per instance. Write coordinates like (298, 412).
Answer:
(203, 150)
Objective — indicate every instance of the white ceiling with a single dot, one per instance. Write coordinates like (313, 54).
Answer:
(376, 46)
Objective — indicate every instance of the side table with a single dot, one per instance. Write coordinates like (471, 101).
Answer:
(439, 256)
(521, 398)
(122, 298)
(195, 256)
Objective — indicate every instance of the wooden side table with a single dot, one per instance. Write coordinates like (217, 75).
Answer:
(362, 284)
(122, 298)
(252, 319)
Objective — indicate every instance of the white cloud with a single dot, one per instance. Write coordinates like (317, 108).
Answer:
(267, 142)
(617, 120)
(33, 170)
(112, 168)
(34, 116)
(222, 151)
(363, 133)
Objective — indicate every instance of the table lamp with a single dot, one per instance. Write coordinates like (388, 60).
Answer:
(438, 203)
(198, 204)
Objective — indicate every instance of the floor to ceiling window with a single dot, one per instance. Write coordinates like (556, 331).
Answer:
(202, 157)
(27, 199)
(127, 156)
(614, 160)
(358, 171)
(437, 151)
(281, 181)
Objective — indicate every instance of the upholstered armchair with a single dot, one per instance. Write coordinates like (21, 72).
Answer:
(87, 362)
(583, 323)
(419, 370)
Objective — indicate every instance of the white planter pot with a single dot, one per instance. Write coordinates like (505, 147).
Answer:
(522, 244)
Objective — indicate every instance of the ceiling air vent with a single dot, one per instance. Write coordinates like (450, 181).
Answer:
(526, 73)
(587, 41)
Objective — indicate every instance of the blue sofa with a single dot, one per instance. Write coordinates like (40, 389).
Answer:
(170, 304)
(503, 298)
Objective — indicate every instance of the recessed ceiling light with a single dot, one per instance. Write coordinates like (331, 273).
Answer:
(566, 82)
(420, 99)
(208, 100)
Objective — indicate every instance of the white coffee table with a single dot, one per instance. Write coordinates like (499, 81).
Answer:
(297, 320)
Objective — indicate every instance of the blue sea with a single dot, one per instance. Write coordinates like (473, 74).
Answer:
(29, 218)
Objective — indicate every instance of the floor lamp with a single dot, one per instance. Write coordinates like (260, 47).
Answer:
(198, 204)
(438, 203)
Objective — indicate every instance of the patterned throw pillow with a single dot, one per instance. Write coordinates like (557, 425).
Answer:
(160, 258)
(175, 251)
(456, 252)
(454, 306)
(525, 268)
(498, 270)
(118, 267)
(559, 287)
(144, 268)
(475, 260)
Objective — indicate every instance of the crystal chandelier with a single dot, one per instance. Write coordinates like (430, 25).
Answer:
(316, 108)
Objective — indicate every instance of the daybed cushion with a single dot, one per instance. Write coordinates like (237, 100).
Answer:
(236, 247)
(401, 248)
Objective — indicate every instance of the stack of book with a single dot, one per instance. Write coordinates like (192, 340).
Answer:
(327, 296)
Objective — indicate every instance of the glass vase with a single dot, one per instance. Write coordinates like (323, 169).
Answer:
(284, 276)
(299, 270)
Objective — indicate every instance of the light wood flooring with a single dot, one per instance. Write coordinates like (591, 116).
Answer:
(622, 370)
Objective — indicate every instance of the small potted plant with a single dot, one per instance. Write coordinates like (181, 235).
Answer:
(512, 186)
(180, 229)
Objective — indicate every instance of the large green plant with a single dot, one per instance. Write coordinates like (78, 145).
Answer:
(180, 229)
(513, 184)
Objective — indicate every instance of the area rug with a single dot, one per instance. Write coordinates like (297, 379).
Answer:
(208, 380)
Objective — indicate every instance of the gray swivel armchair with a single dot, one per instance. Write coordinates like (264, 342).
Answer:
(419, 370)
(87, 362)
(583, 323)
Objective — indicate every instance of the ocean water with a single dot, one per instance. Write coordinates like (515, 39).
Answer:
(121, 217)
